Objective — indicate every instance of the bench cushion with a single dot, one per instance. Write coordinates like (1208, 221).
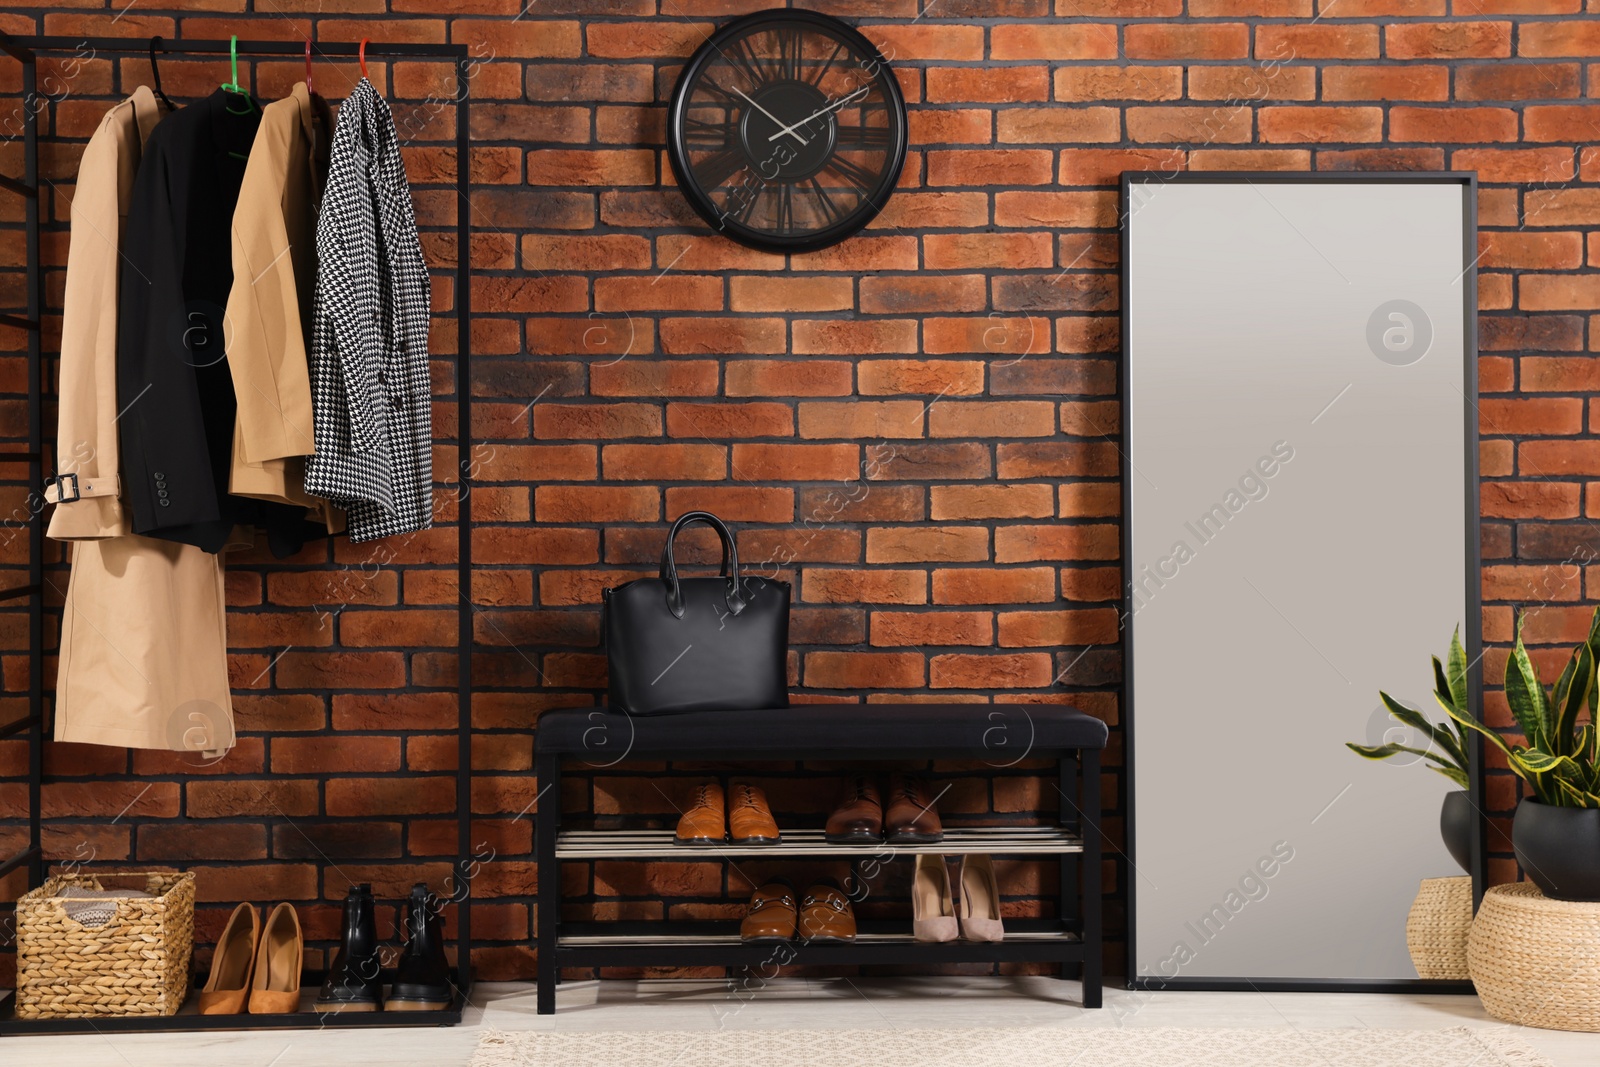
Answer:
(1001, 733)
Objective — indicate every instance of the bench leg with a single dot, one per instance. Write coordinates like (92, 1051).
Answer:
(1068, 892)
(547, 823)
(1089, 804)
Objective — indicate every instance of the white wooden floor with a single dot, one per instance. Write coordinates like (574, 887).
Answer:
(787, 1004)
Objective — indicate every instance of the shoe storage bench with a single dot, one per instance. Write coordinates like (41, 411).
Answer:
(589, 739)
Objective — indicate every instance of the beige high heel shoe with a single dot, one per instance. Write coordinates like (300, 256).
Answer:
(933, 913)
(229, 983)
(276, 988)
(980, 900)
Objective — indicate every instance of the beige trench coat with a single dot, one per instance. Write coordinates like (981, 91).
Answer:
(269, 307)
(86, 429)
(144, 658)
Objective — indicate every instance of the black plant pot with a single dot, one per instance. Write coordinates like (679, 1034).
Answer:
(1559, 848)
(1456, 824)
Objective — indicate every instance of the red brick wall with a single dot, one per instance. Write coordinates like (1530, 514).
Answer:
(629, 366)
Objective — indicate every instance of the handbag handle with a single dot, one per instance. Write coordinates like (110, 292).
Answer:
(730, 562)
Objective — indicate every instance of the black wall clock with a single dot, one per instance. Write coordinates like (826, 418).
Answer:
(787, 131)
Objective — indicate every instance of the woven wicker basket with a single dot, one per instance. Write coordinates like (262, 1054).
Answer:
(1537, 961)
(136, 964)
(1436, 928)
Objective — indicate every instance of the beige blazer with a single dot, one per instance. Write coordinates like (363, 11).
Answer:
(269, 307)
(86, 429)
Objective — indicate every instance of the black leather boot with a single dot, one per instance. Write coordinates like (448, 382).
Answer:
(353, 982)
(422, 980)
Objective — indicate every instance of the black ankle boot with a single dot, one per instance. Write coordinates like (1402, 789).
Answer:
(353, 982)
(422, 980)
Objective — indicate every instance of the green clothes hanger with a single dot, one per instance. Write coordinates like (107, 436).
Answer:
(232, 85)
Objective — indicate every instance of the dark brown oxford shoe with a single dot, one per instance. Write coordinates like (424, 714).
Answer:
(857, 819)
(911, 819)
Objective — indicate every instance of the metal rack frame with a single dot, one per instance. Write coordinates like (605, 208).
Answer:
(26, 50)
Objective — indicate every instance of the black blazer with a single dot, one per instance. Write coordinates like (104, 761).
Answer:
(174, 389)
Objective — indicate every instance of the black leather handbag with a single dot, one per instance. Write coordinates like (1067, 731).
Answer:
(697, 644)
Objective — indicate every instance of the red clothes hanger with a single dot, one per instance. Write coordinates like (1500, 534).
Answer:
(362, 52)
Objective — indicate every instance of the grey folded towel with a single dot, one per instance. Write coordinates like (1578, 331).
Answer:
(94, 907)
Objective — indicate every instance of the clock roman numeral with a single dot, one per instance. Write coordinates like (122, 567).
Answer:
(825, 201)
(790, 45)
(700, 134)
(745, 211)
(786, 208)
(857, 175)
(747, 62)
(710, 85)
(714, 171)
(827, 64)
(862, 136)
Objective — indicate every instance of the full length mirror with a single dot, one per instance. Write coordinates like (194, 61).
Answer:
(1300, 532)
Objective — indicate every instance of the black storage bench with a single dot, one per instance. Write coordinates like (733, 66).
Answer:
(586, 739)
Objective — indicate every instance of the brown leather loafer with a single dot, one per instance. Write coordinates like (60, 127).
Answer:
(858, 817)
(825, 914)
(773, 913)
(911, 819)
(750, 821)
(705, 822)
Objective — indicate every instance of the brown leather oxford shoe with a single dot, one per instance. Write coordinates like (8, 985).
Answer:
(857, 819)
(825, 914)
(911, 819)
(750, 821)
(773, 913)
(705, 821)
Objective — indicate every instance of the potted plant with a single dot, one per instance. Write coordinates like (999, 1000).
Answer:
(1556, 831)
(1447, 749)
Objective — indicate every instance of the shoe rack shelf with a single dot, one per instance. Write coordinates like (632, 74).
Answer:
(189, 1018)
(586, 740)
(869, 932)
(692, 944)
(658, 844)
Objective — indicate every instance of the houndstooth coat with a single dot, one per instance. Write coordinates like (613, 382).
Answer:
(371, 400)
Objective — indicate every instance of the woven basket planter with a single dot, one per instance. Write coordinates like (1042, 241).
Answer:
(1536, 961)
(136, 964)
(1437, 927)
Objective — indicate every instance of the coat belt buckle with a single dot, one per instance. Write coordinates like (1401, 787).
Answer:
(60, 482)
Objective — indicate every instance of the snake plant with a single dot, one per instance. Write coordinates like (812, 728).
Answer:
(1448, 748)
(1560, 760)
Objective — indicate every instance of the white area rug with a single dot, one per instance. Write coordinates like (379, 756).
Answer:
(1013, 1047)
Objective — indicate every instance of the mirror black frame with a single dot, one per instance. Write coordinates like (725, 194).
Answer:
(1472, 625)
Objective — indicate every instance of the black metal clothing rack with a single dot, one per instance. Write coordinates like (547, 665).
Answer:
(26, 50)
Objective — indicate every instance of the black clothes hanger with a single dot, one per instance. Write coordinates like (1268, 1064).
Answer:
(155, 71)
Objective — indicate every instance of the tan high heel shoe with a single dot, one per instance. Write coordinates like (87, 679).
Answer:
(276, 988)
(980, 900)
(229, 983)
(933, 913)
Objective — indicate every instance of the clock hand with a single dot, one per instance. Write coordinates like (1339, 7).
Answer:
(774, 118)
(819, 114)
